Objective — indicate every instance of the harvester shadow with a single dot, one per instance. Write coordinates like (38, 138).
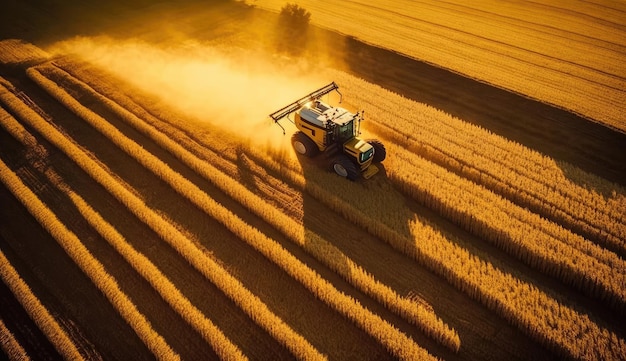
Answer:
(344, 243)
(319, 227)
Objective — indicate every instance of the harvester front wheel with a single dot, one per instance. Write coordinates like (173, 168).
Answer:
(304, 145)
(380, 153)
(344, 167)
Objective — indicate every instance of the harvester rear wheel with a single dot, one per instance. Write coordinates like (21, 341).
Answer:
(304, 145)
(344, 167)
(380, 153)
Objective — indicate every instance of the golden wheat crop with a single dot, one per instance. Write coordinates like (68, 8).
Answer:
(9, 344)
(535, 241)
(321, 249)
(527, 47)
(88, 264)
(532, 310)
(248, 302)
(394, 340)
(35, 309)
(556, 191)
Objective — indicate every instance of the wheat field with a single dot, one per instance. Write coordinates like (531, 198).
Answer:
(151, 210)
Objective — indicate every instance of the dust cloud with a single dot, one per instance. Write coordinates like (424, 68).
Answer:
(235, 90)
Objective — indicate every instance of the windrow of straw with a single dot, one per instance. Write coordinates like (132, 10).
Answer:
(9, 344)
(390, 337)
(313, 243)
(224, 348)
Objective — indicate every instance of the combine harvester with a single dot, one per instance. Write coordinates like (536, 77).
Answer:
(331, 130)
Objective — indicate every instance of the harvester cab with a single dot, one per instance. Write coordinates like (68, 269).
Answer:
(334, 131)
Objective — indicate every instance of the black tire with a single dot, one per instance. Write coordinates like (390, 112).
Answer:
(380, 153)
(345, 167)
(304, 145)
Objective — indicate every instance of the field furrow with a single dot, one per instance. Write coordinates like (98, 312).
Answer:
(55, 278)
(36, 310)
(168, 291)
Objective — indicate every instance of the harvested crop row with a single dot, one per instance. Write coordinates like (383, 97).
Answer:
(88, 264)
(526, 177)
(526, 236)
(314, 244)
(35, 309)
(168, 291)
(394, 340)
(215, 273)
(531, 310)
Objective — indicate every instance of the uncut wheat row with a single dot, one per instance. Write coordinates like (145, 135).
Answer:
(395, 341)
(418, 121)
(215, 273)
(588, 220)
(524, 176)
(314, 244)
(168, 291)
(533, 311)
(526, 236)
